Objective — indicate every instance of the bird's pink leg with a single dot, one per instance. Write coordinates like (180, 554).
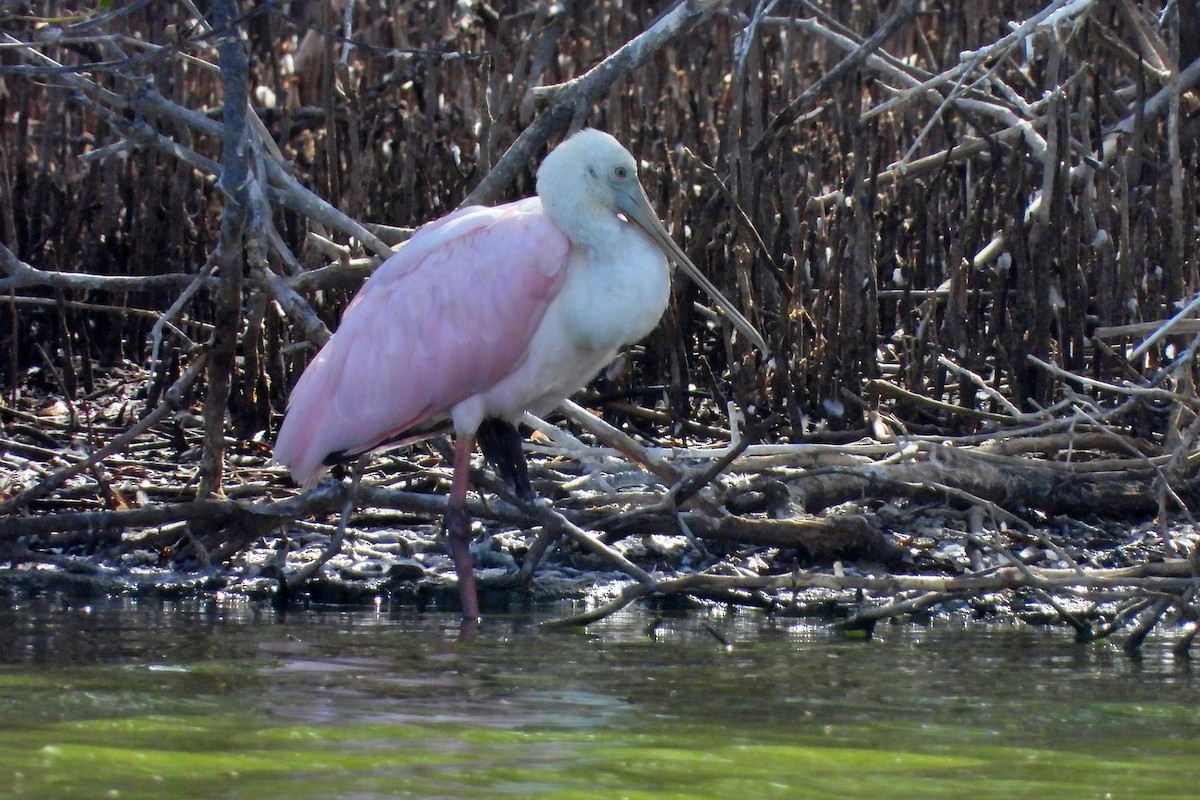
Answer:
(458, 528)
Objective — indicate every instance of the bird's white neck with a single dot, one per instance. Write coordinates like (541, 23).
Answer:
(588, 224)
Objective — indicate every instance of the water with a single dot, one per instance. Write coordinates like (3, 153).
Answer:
(224, 699)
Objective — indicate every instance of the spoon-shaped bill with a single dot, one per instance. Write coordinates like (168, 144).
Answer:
(634, 204)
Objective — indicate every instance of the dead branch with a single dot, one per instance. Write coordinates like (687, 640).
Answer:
(570, 99)
(904, 11)
(230, 256)
(1174, 576)
(22, 276)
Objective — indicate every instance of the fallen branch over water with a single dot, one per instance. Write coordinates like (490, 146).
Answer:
(1174, 577)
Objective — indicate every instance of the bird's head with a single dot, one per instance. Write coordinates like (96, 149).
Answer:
(589, 179)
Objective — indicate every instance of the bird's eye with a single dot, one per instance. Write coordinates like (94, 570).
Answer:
(620, 173)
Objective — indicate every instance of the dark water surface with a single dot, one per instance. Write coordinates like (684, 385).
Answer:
(224, 699)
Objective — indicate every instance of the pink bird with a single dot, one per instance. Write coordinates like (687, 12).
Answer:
(488, 313)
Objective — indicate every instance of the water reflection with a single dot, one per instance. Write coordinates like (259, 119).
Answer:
(387, 701)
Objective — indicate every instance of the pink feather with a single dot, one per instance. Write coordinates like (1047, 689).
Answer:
(447, 317)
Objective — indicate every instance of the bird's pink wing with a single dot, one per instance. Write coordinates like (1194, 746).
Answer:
(445, 318)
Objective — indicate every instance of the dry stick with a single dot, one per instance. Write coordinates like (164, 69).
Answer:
(737, 207)
(664, 470)
(733, 138)
(1164, 481)
(1042, 148)
(287, 298)
(30, 53)
(1170, 326)
(334, 545)
(903, 97)
(1168, 575)
(931, 163)
(795, 109)
(554, 523)
(565, 444)
(891, 609)
(1154, 106)
(997, 512)
(981, 384)
(1154, 53)
(21, 275)
(665, 418)
(11, 447)
(291, 193)
(1039, 209)
(1161, 576)
(1021, 128)
(1185, 435)
(548, 20)
(1181, 230)
(688, 487)
(393, 235)
(1138, 635)
(627, 595)
(347, 274)
(1147, 392)
(573, 96)
(1102, 438)
(951, 99)
(1120, 620)
(1049, 17)
(552, 519)
(172, 400)
(721, 638)
(1181, 647)
(1172, 573)
(286, 189)
(1081, 627)
(1180, 327)
(165, 320)
(133, 311)
(230, 255)
(1027, 126)
(328, 496)
(881, 387)
(295, 306)
(331, 249)
(60, 382)
(104, 101)
(140, 134)
(881, 61)
(265, 214)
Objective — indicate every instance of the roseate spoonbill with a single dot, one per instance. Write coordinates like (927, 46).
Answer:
(488, 313)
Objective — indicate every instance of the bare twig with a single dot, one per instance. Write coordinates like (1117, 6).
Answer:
(577, 94)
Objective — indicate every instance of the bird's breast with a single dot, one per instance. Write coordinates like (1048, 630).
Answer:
(614, 298)
(607, 301)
